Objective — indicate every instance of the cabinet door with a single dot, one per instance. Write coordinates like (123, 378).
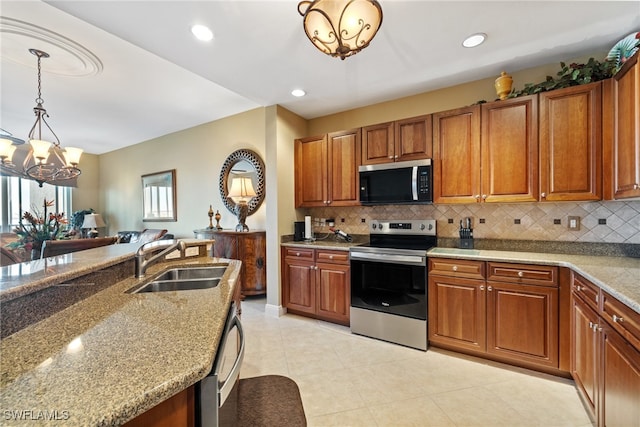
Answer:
(299, 286)
(344, 155)
(584, 352)
(622, 159)
(456, 156)
(311, 171)
(522, 322)
(620, 389)
(571, 143)
(509, 153)
(378, 144)
(457, 313)
(252, 252)
(413, 138)
(225, 246)
(333, 298)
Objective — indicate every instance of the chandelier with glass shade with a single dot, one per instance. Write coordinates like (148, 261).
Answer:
(46, 161)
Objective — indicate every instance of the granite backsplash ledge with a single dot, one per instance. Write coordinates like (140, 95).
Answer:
(549, 247)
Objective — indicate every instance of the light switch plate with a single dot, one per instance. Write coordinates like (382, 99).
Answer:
(573, 223)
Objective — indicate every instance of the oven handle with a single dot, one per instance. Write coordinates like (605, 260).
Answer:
(389, 258)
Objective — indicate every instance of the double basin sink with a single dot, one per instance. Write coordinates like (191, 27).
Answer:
(183, 279)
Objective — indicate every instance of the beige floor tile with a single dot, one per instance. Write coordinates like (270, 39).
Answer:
(354, 418)
(418, 412)
(346, 379)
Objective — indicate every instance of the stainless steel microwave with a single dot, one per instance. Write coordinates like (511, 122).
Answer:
(396, 183)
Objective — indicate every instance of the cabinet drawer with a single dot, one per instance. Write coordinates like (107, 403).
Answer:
(335, 257)
(622, 318)
(523, 273)
(457, 268)
(306, 254)
(587, 290)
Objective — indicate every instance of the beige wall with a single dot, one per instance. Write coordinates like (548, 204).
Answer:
(87, 194)
(197, 155)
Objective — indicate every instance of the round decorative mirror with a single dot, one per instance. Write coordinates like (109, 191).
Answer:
(248, 164)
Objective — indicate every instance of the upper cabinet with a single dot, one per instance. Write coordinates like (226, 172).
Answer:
(571, 143)
(509, 150)
(622, 132)
(326, 169)
(456, 155)
(408, 139)
(488, 153)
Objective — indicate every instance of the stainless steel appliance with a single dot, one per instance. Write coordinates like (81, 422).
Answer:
(389, 282)
(396, 183)
(217, 394)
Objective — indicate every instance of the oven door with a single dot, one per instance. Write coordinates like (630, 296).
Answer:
(389, 283)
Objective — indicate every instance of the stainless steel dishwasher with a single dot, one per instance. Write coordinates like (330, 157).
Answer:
(217, 394)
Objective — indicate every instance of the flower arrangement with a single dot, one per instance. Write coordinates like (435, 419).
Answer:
(37, 227)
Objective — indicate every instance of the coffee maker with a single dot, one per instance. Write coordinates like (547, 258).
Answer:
(298, 231)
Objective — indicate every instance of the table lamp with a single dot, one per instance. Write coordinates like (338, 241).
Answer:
(241, 192)
(93, 221)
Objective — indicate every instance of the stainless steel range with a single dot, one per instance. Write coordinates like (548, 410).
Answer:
(389, 282)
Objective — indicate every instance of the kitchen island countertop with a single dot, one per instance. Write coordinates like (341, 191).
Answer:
(114, 355)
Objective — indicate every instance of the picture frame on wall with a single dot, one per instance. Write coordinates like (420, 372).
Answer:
(159, 198)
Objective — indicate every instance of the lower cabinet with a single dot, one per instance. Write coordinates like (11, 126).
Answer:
(177, 411)
(605, 356)
(508, 312)
(250, 248)
(316, 282)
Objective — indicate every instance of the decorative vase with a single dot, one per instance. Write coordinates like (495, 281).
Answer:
(503, 85)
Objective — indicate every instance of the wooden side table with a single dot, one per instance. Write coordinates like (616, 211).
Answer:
(248, 247)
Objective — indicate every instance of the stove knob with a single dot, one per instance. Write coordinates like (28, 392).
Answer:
(380, 226)
(430, 226)
(422, 227)
(374, 225)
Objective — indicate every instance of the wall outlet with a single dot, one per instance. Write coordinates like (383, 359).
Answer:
(574, 223)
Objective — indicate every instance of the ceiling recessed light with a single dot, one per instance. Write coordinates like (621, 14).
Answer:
(298, 92)
(474, 40)
(202, 33)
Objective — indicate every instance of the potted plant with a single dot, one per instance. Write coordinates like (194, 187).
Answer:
(36, 227)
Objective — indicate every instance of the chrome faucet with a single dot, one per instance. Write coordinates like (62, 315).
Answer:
(168, 246)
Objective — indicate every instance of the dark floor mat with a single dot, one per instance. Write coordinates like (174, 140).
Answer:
(270, 401)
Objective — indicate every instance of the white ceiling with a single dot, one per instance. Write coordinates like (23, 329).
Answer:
(151, 77)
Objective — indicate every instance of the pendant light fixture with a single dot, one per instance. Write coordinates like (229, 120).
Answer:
(46, 161)
(341, 28)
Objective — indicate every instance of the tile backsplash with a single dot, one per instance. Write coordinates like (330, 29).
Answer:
(608, 222)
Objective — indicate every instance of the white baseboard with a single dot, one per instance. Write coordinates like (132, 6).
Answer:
(274, 310)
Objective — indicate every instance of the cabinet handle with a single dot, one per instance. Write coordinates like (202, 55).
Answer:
(484, 197)
(617, 319)
(297, 253)
(395, 157)
(520, 274)
(455, 268)
(477, 197)
(543, 195)
(330, 256)
(489, 288)
(578, 288)
(482, 287)
(391, 157)
(635, 186)
(591, 324)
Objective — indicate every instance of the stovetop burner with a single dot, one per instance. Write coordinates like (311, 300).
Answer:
(405, 235)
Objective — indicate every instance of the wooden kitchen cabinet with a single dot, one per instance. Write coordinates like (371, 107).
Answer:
(456, 155)
(621, 100)
(605, 355)
(317, 282)
(250, 248)
(326, 169)
(571, 143)
(509, 150)
(505, 311)
(488, 153)
(402, 140)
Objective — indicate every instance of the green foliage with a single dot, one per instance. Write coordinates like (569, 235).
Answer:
(77, 218)
(36, 227)
(570, 75)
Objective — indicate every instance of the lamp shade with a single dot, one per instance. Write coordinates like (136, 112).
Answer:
(241, 189)
(93, 221)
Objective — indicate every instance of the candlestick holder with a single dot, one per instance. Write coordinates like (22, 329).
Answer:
(210, 218)
(218, 216)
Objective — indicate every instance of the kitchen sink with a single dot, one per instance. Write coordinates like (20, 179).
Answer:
(183, 279)
(187, 273)
(177, 285)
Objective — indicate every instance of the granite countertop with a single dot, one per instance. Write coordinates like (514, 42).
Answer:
(619, 276)
(114, 355)
(24, 278)
(326, 241)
